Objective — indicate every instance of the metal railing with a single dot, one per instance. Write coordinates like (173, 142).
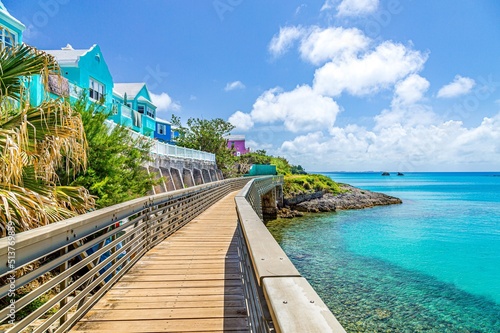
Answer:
(165, 149)
(279, 299)
(77, 260)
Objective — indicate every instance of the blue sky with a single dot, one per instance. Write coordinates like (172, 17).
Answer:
(353, 85)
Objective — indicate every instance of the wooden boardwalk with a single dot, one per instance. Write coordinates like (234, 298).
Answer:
(191, 282)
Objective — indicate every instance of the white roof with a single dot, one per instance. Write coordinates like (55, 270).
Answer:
(143, 99)
(132, 89)
(11, 19)
(163, 121)
(67, 55)
(234, 137)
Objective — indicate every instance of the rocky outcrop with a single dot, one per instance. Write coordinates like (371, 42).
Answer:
(350, 198)
(303, 197)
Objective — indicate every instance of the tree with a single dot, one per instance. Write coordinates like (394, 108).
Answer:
(115, 171)
(34, 141)
(206, 135)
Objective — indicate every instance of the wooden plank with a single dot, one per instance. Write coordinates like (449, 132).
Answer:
(121, 304)
(177, 284)
(165, 325)
(191, 282)
(172, 313)
(146, 292)
(170, 298)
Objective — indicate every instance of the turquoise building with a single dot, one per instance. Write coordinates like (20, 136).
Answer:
(132, 107)
(86, 72)
(11, 29)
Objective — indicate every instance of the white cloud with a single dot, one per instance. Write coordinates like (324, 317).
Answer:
(300, 8)
(356, 7)
(460, 86)
(410, 90)
(373, 71)
(321, 45)
(242, 121)
(234, 85)
(164, 102)
(301, 109)
(329, 4)
(442, 146)
(284, 40)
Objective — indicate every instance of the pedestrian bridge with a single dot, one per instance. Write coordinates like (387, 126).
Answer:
(193, 260)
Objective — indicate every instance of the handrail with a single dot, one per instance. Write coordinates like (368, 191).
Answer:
(80, 258)
(165, 149)
(279, 297)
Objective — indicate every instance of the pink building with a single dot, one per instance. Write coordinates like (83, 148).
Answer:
(237, 142)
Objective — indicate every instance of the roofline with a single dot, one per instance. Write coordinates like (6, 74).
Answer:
(13, 21)
(73, 63)
(133, 97)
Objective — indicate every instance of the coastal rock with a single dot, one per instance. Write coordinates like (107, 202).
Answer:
(303, 197)
(351, 198)
(288, 213)
(324, 203)
(355, 198)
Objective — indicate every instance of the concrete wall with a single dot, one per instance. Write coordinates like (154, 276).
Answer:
(181, 173)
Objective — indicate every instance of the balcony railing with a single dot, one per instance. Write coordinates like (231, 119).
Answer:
(164, 149)
(126, 111)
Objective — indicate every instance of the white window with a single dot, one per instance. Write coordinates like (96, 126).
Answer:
(162, 129)
(140, 108)
(150, 112)
(96, 90)
(7, 38)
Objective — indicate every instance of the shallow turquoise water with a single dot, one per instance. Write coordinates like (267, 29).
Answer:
(429, 265)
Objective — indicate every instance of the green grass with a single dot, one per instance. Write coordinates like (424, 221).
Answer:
(303, 184)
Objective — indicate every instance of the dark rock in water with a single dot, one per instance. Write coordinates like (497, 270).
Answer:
(385, 174)
(400, 174)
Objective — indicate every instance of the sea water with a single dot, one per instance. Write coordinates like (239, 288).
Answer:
(431, 264)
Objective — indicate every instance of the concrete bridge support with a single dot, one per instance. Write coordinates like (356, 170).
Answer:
(213, 176)
(160, 188)
(187, 178)
(177, 178)
(198, 178)
(206, 176)
(270, 202)
(184, 172)
(169, 183)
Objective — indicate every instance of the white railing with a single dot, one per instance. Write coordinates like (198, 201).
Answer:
(126, 111)
(165, 149)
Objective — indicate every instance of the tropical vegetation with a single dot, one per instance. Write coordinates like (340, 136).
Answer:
(36, 141)
(206, 135)
(115, 170)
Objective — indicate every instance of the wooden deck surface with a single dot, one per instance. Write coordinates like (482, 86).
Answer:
(191, 282)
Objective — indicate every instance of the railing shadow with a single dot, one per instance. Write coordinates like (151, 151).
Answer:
(235, 309)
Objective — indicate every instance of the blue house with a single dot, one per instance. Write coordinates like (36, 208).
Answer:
(165, 132)
(132, 107)
(11, 29)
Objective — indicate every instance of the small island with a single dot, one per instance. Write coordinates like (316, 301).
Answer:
(318, 193)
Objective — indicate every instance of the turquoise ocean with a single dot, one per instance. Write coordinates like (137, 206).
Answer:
(431, 264)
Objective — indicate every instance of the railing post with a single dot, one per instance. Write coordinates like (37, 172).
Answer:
(63, 285)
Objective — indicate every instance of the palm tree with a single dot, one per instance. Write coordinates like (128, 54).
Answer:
(34, 142)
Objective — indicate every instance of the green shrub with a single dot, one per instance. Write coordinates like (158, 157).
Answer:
(303, 184)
